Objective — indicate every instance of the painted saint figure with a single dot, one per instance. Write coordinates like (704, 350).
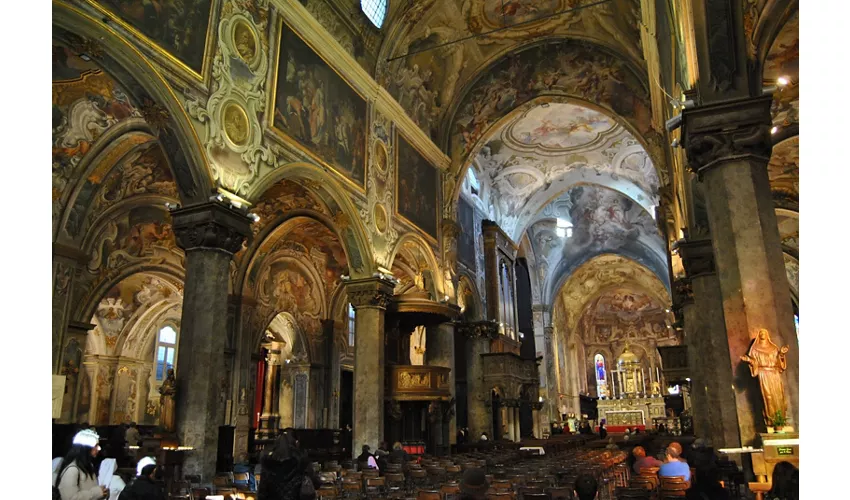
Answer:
(767, 362)
(167, 391)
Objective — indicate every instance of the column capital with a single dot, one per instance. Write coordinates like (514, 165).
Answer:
(697, 257)
(732, 130)
(210, 226)
(479, 329)
(370, 292)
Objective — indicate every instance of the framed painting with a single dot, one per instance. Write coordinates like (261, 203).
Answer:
(313, 107)
(466, 238)
(181, 31)
(417, 184)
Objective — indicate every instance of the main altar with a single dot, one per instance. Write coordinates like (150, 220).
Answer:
(627, 400)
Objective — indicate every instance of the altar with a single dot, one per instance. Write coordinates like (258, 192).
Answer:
(630, 403)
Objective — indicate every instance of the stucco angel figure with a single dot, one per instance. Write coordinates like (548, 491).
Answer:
(167, 391)
(419, 281)
(767, 362)
(417, 346)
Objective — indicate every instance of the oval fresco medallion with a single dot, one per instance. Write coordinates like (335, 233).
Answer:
(245, 41)
(380, 218)
(381, 158)
(236, 125)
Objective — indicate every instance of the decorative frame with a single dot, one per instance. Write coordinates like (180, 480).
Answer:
(176, 64)
(438, 185)
(272, 101)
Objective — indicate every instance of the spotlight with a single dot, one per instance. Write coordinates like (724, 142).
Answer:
(774, 130)
(675, 143)
(217, 198)
(666, 310)
(782, 81)
(254, 217)
(172, 206)
(674, 123)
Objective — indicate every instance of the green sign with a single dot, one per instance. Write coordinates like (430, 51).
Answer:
(784, 450)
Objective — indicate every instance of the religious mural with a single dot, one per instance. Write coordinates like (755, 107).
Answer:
(603, 221)
(784, 168)
(178, 27)
(783, 60)
(545, 148)
(566, 68)
(86, 102)
(417, 183)
(317, 108)
(131, 236)
(466, 237)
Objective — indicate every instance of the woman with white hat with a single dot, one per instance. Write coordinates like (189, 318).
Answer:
(78, 478)
(144, 487)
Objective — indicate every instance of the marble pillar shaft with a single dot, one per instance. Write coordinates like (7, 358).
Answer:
(478, 393)
(745, 238)
(552, 380)
(370, 298)
(440, 351)
(210, 234)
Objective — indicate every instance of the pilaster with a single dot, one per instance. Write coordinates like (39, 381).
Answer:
(479, 335)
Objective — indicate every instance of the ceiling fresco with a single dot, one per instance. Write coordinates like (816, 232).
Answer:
(425, 84)
(784, 168)
(598, 275)
(545, 149)
(603, 221)
(86, 103)
(783, 60)
(789, 230)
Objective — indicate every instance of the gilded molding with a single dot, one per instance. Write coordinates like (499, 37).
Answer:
(370, 293)
(478, 330)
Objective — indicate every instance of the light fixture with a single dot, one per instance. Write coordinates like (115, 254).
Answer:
(774, 130)
(540, 399)
(561, 232)
(217, 198)
(782, 81)
(172, 206)
(563, 223)
(254, 217)
(688, 379)
(288, 361)
(667, 310)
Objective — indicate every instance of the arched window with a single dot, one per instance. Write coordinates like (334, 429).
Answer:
(375, 10)
(797, 324)
(166, 351)
(350, 325)
(599, 367)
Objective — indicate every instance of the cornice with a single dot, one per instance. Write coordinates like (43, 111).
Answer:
(310, 29)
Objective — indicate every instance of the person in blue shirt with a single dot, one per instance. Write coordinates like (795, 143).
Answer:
(673, 465)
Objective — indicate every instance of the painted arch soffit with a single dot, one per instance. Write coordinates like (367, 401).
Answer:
(597, 275)
(603, 221)
(428, 83)
(545, 148)
(628, 314)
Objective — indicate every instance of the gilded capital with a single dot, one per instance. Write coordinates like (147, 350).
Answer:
(479, 329)
(729, 131)
(370, 292)
(210, 226)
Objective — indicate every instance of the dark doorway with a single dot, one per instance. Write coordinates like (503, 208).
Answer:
(346, 399)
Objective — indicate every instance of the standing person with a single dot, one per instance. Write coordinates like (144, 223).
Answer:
(108, 477)
(132, 435)
(603, 432)
(78, 477)
(287, 475)
(144, 487)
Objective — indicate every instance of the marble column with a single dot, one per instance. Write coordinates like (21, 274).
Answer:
(210, 234)
(551, 379)
(516, 432)
(440, 351)
(270, 418)
(478, 337)
(76, 332)
(715, 412)
(535, 420)
(728, 145)
(370, 298)
(286, 401)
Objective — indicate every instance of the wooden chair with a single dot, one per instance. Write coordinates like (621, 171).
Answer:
(500, 496)
(536, 496)
(760, 489)
(672, 489)
(560, 493)
(351, 488)
(449, 491)
(200, 493)
(376, 485)
(428, 495)
(632, 494)
(327, 492)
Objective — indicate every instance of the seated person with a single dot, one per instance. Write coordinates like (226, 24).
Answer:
(643, 461)
(473, 485)
(585, 487)
(398, 455)
(707, 486)
(786, 482)
(611, 445)
(366, 460)
(674, 466)
(484, 437)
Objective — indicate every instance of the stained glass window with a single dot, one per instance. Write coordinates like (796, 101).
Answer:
(375, 10)
(350, 325)
(166, 348)
(599, 367)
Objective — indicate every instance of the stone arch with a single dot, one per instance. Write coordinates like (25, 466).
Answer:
(338, 200)
(285, 328)
(413, 248)
(88, 304)
(466, 282)
(131, 68)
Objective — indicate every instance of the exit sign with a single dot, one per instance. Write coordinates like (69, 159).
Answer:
(784, 450)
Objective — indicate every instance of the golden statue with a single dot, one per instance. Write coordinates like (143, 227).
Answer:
(767, 362)
(419, 281)
(166, 400)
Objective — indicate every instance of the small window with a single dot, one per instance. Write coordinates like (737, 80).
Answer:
(472, 180)
(375, 10)
(350, 325)
(166, 349)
